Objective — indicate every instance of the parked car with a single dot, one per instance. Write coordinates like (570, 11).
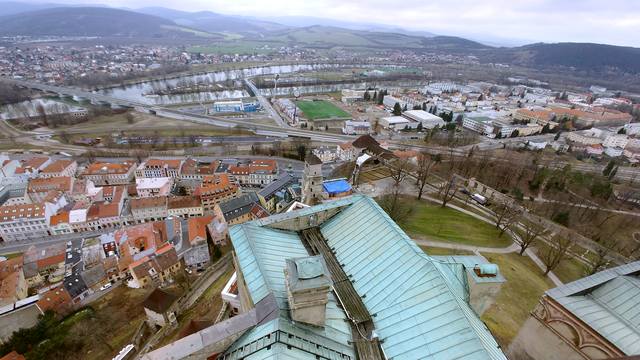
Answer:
(105, 286)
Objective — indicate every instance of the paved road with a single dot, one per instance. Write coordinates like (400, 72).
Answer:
(624, 173)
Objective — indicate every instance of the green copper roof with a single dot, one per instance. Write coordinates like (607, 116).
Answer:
(609, 302)
(418, 305)
(262, 254)
(417, 310)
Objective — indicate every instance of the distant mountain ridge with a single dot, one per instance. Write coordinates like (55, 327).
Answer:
(158, 22)
(88, 21)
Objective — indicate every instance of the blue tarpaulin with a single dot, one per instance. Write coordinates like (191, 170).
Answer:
(336, 186)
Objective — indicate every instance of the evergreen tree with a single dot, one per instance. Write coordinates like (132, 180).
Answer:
(424, 106)
(557, 136)
(367, 96)
(419, 127)
(499, 135)
(397, 109)
(515, 133)
(607, 170)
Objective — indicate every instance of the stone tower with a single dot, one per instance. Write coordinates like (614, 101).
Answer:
(312, 180)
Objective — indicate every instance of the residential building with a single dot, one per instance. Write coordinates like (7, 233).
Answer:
(159, 307)
(39, 189)
(152, 208)
(350, 96)
(479, 124)
(255, 173)
(184, 206)
(56, 299)
(156, 269)
(613, 151)
(215, 189)
(269, 194)
(28, 221)
(44, 264)
(13, 285)
(244, 208)
(352, 127)
(616, 140)
(149, 187)
(59, 168)
(346, 152)
(325, 153)
(197, 256)
(155, 168)
(195, 170)
(590, 318)
(102, 173)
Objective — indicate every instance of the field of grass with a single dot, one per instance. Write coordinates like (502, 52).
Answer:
(568, 270)
(517, 298)
(233, 47)
(443, 251)
(433, 222)
(321, 110)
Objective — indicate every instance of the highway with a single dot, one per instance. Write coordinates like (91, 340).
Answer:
(283, 130)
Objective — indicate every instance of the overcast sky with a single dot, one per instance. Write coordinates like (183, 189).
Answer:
(602, 21)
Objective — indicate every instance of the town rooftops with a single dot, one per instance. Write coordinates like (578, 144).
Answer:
(238, 206)
(25, 211)
(183, 202)
(62, 183)
(271, 189)
(608, 302)
(161, 163)
(105, 168)
(418, 304)
(57, 166)
(148, 202)
(198, 228)
(159, 301)
(152, 183)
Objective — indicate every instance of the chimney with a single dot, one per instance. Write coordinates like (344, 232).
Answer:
(308, 285)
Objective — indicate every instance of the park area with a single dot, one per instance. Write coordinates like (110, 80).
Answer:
(320, 109)
(430, 221)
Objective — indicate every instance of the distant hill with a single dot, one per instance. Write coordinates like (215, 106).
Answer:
(581, 56)
(329, 36)
(213, 22)
(90, 21)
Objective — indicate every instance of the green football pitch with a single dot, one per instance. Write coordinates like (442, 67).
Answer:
(321, 110)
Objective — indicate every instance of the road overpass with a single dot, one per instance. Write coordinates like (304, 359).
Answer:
(282, 129)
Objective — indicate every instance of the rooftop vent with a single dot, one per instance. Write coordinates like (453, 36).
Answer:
(308, 285)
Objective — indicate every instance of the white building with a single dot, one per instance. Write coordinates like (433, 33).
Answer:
(59, 168)
(617, 140)
(428, 120)
(148, 187)
(356, 127)
(479, 124)
(613, 151)
(325, 153)
(28, 221)
(632, 128)
(396, 123)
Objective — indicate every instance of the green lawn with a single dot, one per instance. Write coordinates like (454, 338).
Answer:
(569, 269)
(518, 295)
(433, 222)
(321, 109)
(443, 251)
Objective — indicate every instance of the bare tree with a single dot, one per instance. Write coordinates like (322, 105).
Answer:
(533, 230)
(423, 170)
(506, 215)
(394, 205)
(399, 170)
(448, 190)
(556, 252)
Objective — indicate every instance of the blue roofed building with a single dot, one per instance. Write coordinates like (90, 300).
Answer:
(336, 188)
(596, 317)
(341, 280)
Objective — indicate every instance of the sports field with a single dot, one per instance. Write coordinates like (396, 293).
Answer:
(321, 109)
